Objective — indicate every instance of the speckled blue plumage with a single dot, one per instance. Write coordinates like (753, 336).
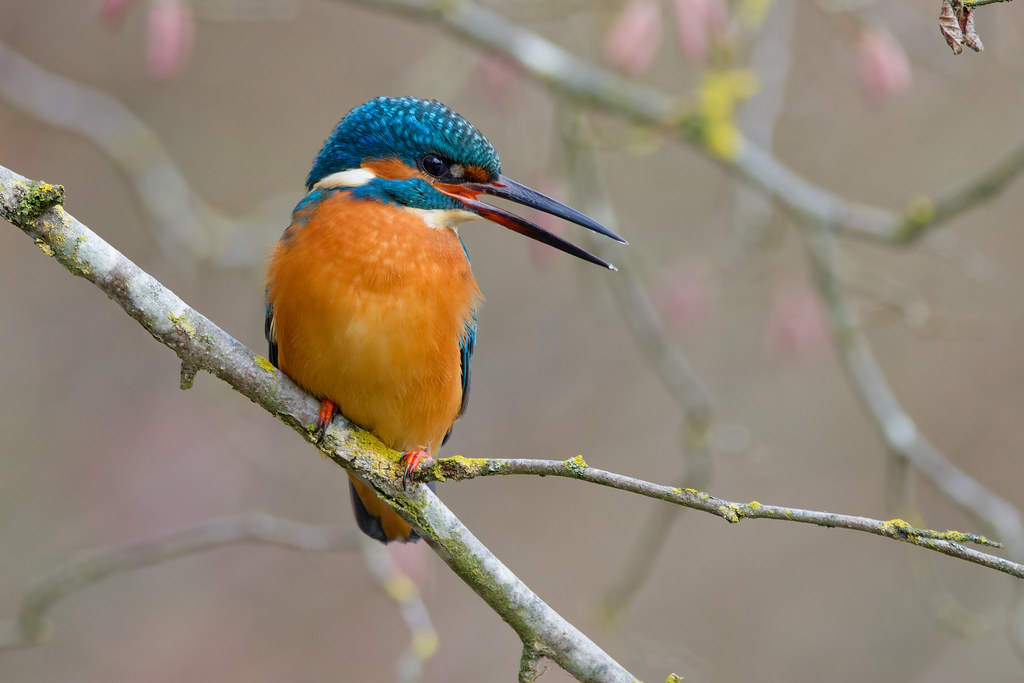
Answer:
(406, 128)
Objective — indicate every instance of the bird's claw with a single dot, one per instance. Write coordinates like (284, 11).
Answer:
(412, 460)
(323, 420)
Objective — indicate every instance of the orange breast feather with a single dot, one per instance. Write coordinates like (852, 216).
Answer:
(369, 307)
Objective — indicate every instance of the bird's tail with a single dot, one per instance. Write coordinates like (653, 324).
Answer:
(375, 518)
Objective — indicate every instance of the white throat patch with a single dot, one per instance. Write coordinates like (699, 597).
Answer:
(353, 177)
(441, 219)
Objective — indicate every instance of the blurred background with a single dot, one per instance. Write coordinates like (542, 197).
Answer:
(183, 132)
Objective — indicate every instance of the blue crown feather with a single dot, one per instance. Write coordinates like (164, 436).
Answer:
(407, 128)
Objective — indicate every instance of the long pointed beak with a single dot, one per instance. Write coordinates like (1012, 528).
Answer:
(509, 189)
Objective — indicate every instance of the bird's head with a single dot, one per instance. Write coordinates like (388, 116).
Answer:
(421, 155)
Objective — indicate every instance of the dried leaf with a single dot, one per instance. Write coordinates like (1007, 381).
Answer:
(956, 22)
(949, 25)
(970, 38)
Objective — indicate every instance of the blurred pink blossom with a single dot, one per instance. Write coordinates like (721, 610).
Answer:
(499, 77)
(699, 24)
(797, 325)
(114, 11)
(169, 35)
(686, 297)
(634, 36)
(884, 67)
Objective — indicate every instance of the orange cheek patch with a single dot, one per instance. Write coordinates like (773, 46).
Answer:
(477, 175)
(390, 169)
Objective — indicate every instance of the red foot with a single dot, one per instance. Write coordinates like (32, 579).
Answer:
(323, 421)
(412, 460)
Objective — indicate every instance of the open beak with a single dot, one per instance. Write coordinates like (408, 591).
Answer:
(509, 189)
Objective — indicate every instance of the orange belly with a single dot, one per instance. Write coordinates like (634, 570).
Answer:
(370, 305)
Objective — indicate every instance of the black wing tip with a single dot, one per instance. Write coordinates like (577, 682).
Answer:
(367, 523)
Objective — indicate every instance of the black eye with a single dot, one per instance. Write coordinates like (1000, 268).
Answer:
(434, 165)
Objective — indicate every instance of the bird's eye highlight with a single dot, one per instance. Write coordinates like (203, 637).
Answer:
(434, 165)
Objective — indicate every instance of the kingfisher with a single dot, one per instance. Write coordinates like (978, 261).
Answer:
(371, 303)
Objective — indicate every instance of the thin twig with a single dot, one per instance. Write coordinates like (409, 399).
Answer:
(922, 213)
(946, 542)
(529, 665)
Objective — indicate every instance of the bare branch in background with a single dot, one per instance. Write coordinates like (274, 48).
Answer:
(182, 221)
(895, 425)
(771, 56)
(32, 624)
(897, 428)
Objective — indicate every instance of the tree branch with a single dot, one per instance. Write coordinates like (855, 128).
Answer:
(950, 543)
(36, 208)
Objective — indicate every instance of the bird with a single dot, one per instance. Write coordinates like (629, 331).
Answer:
(371, 301)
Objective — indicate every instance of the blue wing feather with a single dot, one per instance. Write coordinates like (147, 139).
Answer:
(467, 345)
(268, 331)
